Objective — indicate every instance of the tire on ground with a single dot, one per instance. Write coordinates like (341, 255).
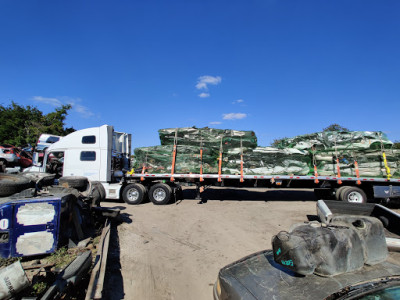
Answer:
(77, 182)
(354, 195)
(134, 193)
(160, 193)
(100, 188)
(11, 184)
(96, 196)
(44, 179)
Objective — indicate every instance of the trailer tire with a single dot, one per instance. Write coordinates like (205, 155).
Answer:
(160, 193)
(134, 193)
(354, 195)
(339, 192)
(77, 182)
(11, 184)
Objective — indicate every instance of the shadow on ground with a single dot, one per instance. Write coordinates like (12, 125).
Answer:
(113, 288)
(230, 194)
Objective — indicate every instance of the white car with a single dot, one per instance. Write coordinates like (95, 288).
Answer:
(45, 140)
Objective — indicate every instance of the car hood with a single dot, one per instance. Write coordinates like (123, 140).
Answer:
(258, 277)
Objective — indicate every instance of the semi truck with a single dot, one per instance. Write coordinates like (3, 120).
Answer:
(102, 154)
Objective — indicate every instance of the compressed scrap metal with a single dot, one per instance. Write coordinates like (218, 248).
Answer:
(158, 159)
(293, 156)
(266, 161)
(370, 163)
(334, 140)
(208, 137)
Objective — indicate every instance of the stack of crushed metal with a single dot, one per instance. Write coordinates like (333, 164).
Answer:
(266, 161)
(231, 143)
(201, 147)
(362, 148)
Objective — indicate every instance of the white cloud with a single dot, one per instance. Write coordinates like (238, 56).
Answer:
(238, 101)
(74, 102)
(204, 95)
(204, 81)
(215, 123)
(50, 101)
(234, 116)
(79, 108)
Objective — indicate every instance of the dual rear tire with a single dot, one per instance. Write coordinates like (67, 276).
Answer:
(351, 194)
(136, 193)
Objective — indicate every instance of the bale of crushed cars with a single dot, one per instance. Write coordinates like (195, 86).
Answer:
(201, 148)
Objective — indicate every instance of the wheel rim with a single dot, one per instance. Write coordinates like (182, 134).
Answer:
(159, 194)
(133, 194)
(355, 197)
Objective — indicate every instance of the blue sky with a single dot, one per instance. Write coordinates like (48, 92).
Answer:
(278, 67)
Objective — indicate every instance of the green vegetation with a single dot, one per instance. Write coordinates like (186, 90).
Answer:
(335, 127)
(39, 287)
(21, 125)
(61, 258)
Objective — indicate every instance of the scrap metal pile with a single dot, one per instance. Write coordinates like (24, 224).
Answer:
(199, 150)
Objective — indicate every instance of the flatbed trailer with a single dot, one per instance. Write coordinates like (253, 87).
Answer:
(102, 154)
(349, 189)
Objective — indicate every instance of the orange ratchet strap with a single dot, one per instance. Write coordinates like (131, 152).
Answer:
(357, 172)
(338, 171)
(143, 168)
(201, 164)
(220, 162)
(316, 174)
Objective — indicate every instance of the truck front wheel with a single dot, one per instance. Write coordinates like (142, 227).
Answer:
(134, 193)
(160, 193)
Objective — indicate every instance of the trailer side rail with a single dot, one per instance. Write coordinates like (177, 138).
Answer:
(266, 177)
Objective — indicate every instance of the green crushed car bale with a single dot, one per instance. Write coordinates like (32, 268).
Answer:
(370, 162)
(266, 161)
(208, 137)
(339, 140)
(158, 159)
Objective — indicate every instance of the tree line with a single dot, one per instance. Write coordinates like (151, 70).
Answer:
(22, 125)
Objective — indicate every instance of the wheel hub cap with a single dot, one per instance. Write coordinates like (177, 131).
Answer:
(133, 194)
(159, 194)
(355, 197)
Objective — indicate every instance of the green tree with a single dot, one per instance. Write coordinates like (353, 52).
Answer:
(21, 125)
(396, 144)
(335, 127)
(277, 142)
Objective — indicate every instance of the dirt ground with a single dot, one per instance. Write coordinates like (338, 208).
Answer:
(175, 251)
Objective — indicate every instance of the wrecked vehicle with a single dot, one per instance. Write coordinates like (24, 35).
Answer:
(342, 257)
(11, 156)
(44, 223)
(38, 218)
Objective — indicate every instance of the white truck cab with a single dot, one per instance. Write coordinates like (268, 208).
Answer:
(98, 153)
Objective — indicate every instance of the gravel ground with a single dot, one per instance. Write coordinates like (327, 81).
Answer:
(175, 251)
